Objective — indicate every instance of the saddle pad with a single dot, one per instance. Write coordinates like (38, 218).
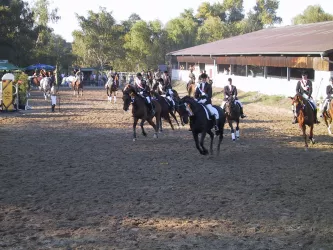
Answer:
(311, 105)
(207, 112)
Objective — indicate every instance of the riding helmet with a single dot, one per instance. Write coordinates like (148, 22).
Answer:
(203, 75)
(138, 74)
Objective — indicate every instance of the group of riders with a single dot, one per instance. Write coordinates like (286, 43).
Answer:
(203, 92)
(304, 88)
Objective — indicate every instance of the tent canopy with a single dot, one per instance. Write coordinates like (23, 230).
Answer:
(40, 66)
(7, 66)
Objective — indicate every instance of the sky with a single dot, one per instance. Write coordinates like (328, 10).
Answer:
(150, 10)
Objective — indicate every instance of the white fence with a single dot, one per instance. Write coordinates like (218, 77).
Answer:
(269, 85)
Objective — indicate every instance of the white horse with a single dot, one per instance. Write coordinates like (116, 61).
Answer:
(67, 81)
(45, 86)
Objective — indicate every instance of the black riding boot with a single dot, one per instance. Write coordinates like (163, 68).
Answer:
(152, 108)
(241, 112)
(53, 107)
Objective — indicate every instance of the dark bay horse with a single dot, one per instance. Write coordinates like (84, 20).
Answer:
(140, 110)
(200, 124)
(191, 87)
(166, 110)
(305, 116)
(76, 85)
(232, 113)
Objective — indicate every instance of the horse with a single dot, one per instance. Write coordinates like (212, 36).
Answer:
(200, 123)
(191, 87)
(166, 111)
(76, 85)
(232, 113)
(67, 80)
(140, 110)
(305, 116)
(157, 86)
(45, 86)
(112, 87)
(328, 116)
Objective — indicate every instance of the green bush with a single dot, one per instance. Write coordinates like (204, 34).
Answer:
(22, 80)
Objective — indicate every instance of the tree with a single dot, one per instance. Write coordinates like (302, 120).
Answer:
(42, 17)
(17, 31)
(99, 42)
(312, 14)
(213, 29)
(182, 31)
(263, 15)
(127, 24)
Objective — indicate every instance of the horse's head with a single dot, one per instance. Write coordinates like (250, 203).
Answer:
(128, 95)
(230, 106)
(185, 108)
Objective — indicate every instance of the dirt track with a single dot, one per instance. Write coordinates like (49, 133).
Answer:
(74, 179)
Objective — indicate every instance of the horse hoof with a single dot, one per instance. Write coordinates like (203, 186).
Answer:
(306, 149)
(134, 139)
(233, 140)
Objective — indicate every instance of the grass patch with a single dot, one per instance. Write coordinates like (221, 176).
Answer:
(244, 97)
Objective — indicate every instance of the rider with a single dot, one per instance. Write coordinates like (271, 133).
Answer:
(229, 91)
(304, 87)
(167, 88)
(191, 75)
(77, 75)
(204, 94)
(143, 90)
(329, 93)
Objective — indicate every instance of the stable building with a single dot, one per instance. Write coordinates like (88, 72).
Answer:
(269, 61)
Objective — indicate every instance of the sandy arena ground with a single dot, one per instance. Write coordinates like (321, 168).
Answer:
(74, 179)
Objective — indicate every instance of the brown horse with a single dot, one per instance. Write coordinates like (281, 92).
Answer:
(232, 112)
(76, 85)
(305, 116)
(328, 116)
(191, 87)
(140, 110)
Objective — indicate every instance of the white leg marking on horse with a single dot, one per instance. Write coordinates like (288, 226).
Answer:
(233, 136)
(237, 134)
(134, 139)
(329, 129)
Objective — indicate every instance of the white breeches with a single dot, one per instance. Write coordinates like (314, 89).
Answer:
(310, 100)
(170, 92)
(213, 110)
(53, 100)
(148, 99)
(171, 100)
(323, 105)
(239, 103)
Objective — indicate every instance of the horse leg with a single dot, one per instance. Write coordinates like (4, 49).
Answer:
(155, 126)
(160, 126)
(174, 117)
(81, 91)
(169, 121)
(202, 140)
(220, 140)
(304, 135)
(134, 128)
(233, 137)
(196, 139)
(311, 135)
(142, 129)
(237, 129)
(211, 134)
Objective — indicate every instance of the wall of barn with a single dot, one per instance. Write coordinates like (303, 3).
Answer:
(269, 85)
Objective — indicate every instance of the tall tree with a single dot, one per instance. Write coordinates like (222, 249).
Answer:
(17, 32)
(312, 14)
(213, 29)
(182, 31)
(99, 42)
(263, 15)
